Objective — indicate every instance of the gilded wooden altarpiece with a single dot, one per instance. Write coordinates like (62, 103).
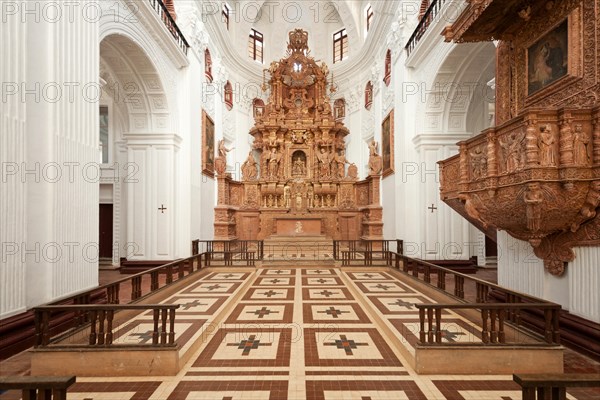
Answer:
(297, 174)
(536, 173)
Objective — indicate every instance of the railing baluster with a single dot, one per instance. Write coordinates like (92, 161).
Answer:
(163, 327)
(171, 326)
(169, 274)
(438, 324)
(485, 334)
(422, 325)
(101, 316)
(501, 318)
(155, 313)
(430, 326)
(493, 332)
(109, 326)
(93, 335)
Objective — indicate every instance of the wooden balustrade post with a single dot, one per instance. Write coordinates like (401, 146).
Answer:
(555, 325)
(493, 332)
(93, 336)
(169, 274)
(422, 325)
(155, 325)
(101, 333)
(485, 335)
(45, 328)
(438, 324)
(427, 275)
(548, 325)
(37, 319)
(397, 261)
(405, 264)
(163, 327)
(459, 282)
(180, 270)
(153, 281)
(109, 326)
(430, 325)
(172, 326)
(441, 281)
(501, 318)
(415, 268)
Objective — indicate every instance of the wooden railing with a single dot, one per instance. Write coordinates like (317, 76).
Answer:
(492, 323)
(169, 22)
(38, 387)
(229, 251)
(553, 386)
(429, 16)
(366, 252)
(101, 319)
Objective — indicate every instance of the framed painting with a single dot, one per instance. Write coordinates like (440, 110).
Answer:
(387, 144)
(208, 145)
(547, 59)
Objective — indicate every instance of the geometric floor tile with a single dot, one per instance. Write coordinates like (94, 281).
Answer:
(369, 276)
(112, 391)
(204, 288)
(227, 276)
(245, 313)
(399, 305)
(347, 347)
(189, 305)
(318, 271)
(251, 347)
(321, 281)
(453, 330)
(334, 313)
(479, 389)
(274, 281)
(269, 294)
(363, 390)
(384, 287)
(232, 390)
(326, 294)
(278, 272)
(139, 331)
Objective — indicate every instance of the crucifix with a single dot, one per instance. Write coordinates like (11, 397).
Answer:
(432, 208)
(162, 208)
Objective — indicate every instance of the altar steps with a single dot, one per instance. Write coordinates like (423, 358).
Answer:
(297, 250)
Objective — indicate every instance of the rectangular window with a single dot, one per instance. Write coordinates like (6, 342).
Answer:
(225, 13)
(340, 45)
(369, 17)
(255, 45)
(104, 135)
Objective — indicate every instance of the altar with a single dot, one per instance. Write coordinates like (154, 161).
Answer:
(296, 179)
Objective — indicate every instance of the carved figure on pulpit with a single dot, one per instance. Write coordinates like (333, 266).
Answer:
(580, 146)
(533, 198)
(328, 200)
(547, 146)
(316, 201)
(353, 171)
(249, 168)
(298, 201)
(287, 197)
(375, 160)
(299, 228)
(588, 211)
(512, 153)
(264, 163)
(309, 196)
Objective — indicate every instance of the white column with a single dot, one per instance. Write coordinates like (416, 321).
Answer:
(584, 283)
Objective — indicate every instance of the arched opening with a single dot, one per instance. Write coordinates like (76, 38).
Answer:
(299, 163)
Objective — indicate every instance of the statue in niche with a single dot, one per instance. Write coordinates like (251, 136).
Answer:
(533, 199)
(375, 160)
(274, 160)
(580, 146)
(264, 163)
(588, 211)
(512, 153)
(324, 163)
(341, 162)
(309, 196)
(298, 167)
(287, 197)
(298, 201)
(249, 168)
(547, 146)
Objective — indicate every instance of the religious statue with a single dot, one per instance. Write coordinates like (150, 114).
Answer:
(324, 163)
(249, 168)
(309, 196)
(478, 162)
(512, 153)
(298, 167)
(353, 171)
(533, 198)
(375, 160)
(580, 146)
(298, 201)
(299, 228)
(547, 146)
(221, 160)
(341, 162)
(274, 160)
(287, 197)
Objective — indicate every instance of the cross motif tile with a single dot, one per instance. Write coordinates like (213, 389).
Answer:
(346, 344)
(401, 303)
(262, 312)
(334, 312)
(144, 337)
(192, 304)
(270, 293)
(249, 344)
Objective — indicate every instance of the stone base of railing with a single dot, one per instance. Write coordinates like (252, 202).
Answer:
(488, 360)
(122, 361)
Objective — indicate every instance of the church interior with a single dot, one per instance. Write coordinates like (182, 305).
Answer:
(329, 200)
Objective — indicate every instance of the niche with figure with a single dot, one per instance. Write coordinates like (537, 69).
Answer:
(298, 163)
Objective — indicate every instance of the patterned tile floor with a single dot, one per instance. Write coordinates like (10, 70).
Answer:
(297, 333)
